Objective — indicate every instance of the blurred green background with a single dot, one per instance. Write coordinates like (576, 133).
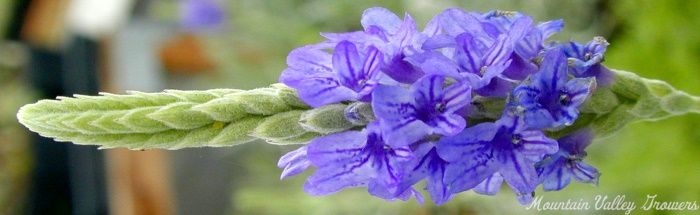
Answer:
(656, 39)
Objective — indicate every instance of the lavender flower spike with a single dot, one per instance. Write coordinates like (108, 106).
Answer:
(321, 78)
(487, 152)
(408, 115)
(549, 99)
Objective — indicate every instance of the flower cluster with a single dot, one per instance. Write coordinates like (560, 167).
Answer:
(424, 88)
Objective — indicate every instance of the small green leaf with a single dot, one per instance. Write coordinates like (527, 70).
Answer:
(225, 109)
(108, 122)
(602, 101)
(280, 126)
(197, 137)
(486, 107)
(83, 123)
(137, 119)
(610, 123)
(180, 116)
(326, 119)
(237, 132)
(289, 96)
(628, 85)
(261, 102)
(677, 103)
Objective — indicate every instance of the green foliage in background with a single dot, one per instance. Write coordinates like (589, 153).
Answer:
(660, 40)
(15, 157)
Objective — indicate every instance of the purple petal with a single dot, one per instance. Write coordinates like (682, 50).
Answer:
(519, 68)
(456, 147)
(456, 21)
(404, 132)
(358, 37)
(449, 124)
(294, 162)
(553, 72)
(538, 118)
(340, 161)
(319, 91)
(603, 76)
(439, 41)
(402, 70)
(428, 90)
(393, 106)
(347, 63)
(433, 27)
(521, 26)
(469, 55)
(535, 145)
(578, 89)
(519, 173)
(585, 173)
(550, 28)
(499, 51)
(457, 96)
(496, 87)
(330, 180)
(556, 176)
(469, 172)
(576, 142)
(437, 188)
(339, 147)
(403, 37)
(490, 186)
(436, 63)
(392, 102)
(311, 59)
(381, 17)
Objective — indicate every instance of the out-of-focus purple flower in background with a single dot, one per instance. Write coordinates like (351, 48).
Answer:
(202, 15)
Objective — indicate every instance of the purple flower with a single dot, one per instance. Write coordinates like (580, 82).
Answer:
(357, 158)
(395, 38)
(200, 15)
(428, 165)
(585, 60)
(482, 52)
(322, 78)
(557, 170)
(409, 115)
(489, 153)
(549, 99)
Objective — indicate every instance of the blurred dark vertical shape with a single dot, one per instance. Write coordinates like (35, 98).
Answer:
(50, 191)
(86, 164)
(66, 179)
